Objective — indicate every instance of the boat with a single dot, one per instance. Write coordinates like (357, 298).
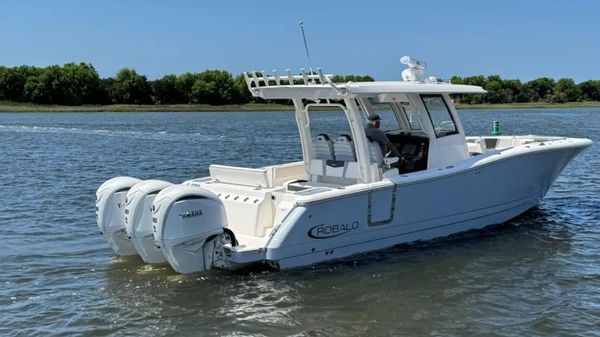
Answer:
(347, 196)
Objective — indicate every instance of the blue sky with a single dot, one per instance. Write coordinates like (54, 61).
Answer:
(515, 39)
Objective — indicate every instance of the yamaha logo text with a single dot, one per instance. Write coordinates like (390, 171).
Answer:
(191, 214)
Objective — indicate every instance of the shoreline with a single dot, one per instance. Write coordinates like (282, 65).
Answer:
(29, 107)
(530, 105)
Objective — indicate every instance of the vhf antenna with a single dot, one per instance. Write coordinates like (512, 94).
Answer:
(306, 47)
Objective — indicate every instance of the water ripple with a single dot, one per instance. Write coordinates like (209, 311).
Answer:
(537, 275)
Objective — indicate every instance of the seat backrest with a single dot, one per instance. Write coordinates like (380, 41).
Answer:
(323, 147)
(344, 148)
(375, 153)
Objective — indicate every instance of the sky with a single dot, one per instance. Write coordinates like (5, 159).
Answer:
(513, 39)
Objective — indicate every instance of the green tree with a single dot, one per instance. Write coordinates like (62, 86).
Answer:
(241, 94)
(81, 83)
(518, 92)
(49, 87)
(565, 90)
(456, 80)
(185, 82)
(495, 90)
(542, 89)
(103, 96)
(351, 78)
(213, 87)
(12, 82)
(511, 89)
(459, 98)
(71, 84)
(165, 91)
(130, 88)
(479, 80)
(3, 75)
(590, 90)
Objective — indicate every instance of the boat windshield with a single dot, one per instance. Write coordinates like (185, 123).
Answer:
(411, 116)
(389, 119)
(440, 116)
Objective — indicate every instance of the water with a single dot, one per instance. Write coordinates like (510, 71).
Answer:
(538, 275)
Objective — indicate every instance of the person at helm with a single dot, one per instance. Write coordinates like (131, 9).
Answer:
(375, 134)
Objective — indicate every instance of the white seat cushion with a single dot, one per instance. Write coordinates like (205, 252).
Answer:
(375, 154)
(323, 147)
(344, 148)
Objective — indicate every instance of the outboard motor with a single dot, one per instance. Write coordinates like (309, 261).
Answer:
(138, 219)
(110, 212)
(188, 226)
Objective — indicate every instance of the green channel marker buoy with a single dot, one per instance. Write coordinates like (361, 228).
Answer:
(496, 128)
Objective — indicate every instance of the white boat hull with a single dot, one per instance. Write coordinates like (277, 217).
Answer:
(344, 198)
(424, 209)
(316, 226)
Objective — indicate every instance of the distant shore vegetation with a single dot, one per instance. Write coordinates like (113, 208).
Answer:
(540, 90)
(78, 84)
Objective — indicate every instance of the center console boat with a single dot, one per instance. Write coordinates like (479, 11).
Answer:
(346, 196)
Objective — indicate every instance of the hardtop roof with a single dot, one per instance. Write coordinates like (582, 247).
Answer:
(338, 91)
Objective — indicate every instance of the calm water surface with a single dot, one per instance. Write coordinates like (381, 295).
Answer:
(538, 275)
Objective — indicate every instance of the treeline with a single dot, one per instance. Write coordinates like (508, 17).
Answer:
(78, 84)
(543, 89)
(351, 78)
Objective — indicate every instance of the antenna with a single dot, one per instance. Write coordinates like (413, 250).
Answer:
(414, 72)
(306, 48)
